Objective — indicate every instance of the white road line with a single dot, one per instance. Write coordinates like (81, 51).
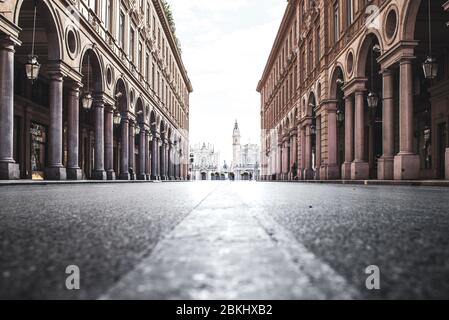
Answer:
(231, 252)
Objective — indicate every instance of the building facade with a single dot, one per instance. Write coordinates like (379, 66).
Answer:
(348, 91)
(205, 162)
(109, 95)
(245, 158)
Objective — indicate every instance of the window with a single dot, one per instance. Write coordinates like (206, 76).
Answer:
(132, 35)
(336, 23)
(350, 11)
(121, 35)
(147, 66)
(108, 16)
(140, 58)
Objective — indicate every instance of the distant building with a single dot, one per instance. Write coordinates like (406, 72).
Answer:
(246, 158)
(205, 163)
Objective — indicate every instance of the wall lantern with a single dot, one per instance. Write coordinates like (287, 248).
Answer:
(313, 129)
(340, 116)
(373, 98)
(430, 66)
(117, 118)
(32, 66)
(87, 99)
(137, 129)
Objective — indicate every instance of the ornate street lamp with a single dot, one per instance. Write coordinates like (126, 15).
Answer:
(137, 129)
(430, 66)
(32, 66)
(87, 99)
(372, 98)
(313, 129)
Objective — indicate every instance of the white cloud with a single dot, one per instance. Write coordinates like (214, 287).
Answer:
(225, 47)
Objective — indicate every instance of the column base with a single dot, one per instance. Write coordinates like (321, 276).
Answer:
(332, 172)
(346, 171)
(446, 167)
(74, 174)
(9, 171)
(147, 177)
(110, 175)
(309, 174)
(154, 178)
(125, 176)
(141, 177)
(99, 175)
(406, 167)
(55, 174)
(385, 168)
(359, 170)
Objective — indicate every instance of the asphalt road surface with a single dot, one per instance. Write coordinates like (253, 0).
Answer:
(223, 240)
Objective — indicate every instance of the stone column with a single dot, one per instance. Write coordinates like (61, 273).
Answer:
(332, 171)
(74, 171)
(294, 152)
(99, 173)
(147, 155)
(308, 171)
(349, 139)
(359, 167)
(109, 142)
(170, 161)
(406, 163)
(141, 175)
(154, 157)
(385, 170)
(318, 149)
(302, 138)
(162, 160)
(55, 169)
(124, 164)
(9, 169)
(279, 162)
(166, 159)
(131, 154)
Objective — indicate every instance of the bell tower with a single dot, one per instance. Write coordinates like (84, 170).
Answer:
(236, 145)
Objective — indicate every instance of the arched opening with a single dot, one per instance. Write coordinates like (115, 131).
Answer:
(121, 101)
(162, 151)
(92, 85)
(32, 99)
(203, 176)
(312, 156)
(139, 149)
(431, 103)
(373, 122)
(337, 94)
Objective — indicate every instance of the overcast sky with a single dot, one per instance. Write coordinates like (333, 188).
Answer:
(225, 45)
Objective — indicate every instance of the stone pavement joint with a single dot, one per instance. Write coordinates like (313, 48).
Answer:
(230, 252)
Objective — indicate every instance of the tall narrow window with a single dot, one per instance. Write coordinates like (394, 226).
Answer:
(350, 11)
(336, 23)
(140, 58)
(147, 66)
(121, 34)
(108, 16)
(132, 35)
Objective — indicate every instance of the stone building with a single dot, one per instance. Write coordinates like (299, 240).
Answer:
(91, 89)
(205, 162)
(246, 158)
(357, 89)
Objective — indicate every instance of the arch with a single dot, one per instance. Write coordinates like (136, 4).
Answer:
(153, 121)
(46, 19)
(140, 112)
(363, 51)
(121, 95)
(90, 62)
(336, 74)
(410, 13)
(311, 103)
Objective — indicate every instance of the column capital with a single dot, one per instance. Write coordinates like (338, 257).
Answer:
(8, 43)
